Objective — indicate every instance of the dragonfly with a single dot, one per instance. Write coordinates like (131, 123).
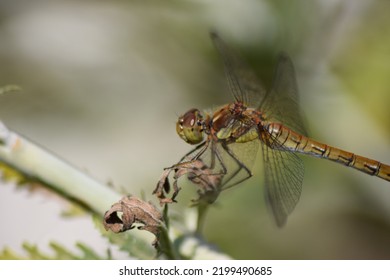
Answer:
(271, 119)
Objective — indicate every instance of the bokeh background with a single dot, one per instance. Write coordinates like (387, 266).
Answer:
(104, 81)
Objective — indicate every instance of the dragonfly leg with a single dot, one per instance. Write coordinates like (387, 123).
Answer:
(185, 162)
(240, 165)
(201, 147)
(201, 173)
(216, 155)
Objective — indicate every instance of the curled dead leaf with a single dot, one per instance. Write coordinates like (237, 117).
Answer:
(134, 210)
(207, 181)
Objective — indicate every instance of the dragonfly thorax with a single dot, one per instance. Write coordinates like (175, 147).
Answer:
(236, 122)
(190, 127)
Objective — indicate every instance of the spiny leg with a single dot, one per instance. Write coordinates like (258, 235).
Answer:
(202, 147)
(163, 183)
(240, 165)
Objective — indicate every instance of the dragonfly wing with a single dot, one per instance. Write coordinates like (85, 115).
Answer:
(242, 81)
(281, 104)
(283, 181)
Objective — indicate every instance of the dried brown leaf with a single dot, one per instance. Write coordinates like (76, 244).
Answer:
(163, 187)
(134, 210)
(207, 181)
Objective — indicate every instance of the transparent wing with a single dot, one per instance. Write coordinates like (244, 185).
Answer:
(240, 159)
(242, 81)
(283, 181)
(283, 170)
(281, 104)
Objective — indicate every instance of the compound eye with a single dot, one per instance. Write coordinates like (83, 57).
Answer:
(189, 118)
(190, 126)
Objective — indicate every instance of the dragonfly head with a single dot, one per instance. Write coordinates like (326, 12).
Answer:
(190, 127)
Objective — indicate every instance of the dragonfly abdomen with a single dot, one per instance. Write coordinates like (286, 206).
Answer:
(363, 164)
(285, 138)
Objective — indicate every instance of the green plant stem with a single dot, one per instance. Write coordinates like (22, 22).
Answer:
(37, 163)
(202, 210)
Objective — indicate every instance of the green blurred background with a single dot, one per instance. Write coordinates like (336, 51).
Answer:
(104, 81)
